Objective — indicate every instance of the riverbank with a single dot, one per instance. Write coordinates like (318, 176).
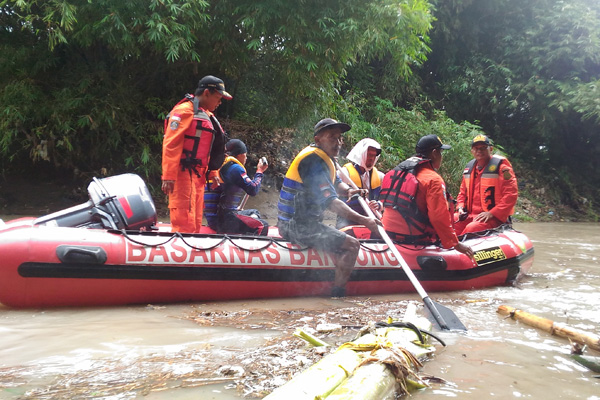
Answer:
(44, 190)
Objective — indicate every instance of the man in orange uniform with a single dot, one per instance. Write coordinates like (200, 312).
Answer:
(415, 199)
(488, 191)
(193, 144)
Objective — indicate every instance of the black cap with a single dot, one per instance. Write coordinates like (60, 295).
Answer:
(212, 82)
(481, 139)
(430, 142)
(329, 123)
(235, 147)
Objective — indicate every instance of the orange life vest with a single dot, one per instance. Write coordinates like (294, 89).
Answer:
(489, 187)
(353, 173)
(204, 139)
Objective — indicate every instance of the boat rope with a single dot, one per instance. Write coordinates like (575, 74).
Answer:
(408, 325)
(224, 238)
(124, 233)
(383, 250)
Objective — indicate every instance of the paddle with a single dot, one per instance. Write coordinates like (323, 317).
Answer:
(442, 317)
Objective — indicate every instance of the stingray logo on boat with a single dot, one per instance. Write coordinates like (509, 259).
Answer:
(489, 255)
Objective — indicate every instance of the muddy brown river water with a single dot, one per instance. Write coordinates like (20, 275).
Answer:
(234, 350)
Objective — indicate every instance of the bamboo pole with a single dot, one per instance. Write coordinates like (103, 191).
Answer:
(554, 328)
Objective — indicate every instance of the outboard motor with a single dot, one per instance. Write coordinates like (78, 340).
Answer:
(116, 202)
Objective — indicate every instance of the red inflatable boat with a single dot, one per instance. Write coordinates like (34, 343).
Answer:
(107, 252)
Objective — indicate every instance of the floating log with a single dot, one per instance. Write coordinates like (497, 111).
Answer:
(555, 328)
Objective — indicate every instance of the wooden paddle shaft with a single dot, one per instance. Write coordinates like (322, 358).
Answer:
(554, 328)
(243, 202)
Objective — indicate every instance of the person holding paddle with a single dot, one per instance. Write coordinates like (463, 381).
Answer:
(415, 200)
(361, 169)
(310, 187)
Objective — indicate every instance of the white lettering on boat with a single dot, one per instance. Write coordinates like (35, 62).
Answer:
(208, 251)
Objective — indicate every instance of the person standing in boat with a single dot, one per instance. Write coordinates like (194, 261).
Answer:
(223, 204)
(193, 145)
(488, 191)
(310, 187)
(415, 200)
(361, 169)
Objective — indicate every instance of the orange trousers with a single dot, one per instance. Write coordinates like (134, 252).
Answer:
(186, 202)
(468, 225)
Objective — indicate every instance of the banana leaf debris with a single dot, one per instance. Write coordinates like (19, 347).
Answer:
(253, 372)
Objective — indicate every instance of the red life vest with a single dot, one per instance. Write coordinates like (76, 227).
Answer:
(204, 140)
(399, 192)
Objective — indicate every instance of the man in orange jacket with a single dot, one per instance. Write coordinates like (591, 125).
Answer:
(193, 145)
(415, 199)
(488, 191)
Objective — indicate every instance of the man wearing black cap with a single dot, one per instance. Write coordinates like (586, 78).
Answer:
(193, 145)
(415, 199)
(310, 187)
(222, 205)
(488, 191)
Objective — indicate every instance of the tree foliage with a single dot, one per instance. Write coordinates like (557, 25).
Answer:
(528, 72)
(86, 83)
(398, 130)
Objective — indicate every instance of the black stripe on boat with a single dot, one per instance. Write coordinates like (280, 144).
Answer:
(144, 272)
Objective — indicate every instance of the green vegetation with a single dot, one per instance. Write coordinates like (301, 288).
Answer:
(85, 84)
(399, 130)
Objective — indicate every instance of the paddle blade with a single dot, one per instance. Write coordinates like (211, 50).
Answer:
(442, 317)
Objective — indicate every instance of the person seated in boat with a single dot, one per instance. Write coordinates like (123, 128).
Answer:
(488, 191)
(310, 187)
(361, 169)
(223, 205)
(415, 200)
